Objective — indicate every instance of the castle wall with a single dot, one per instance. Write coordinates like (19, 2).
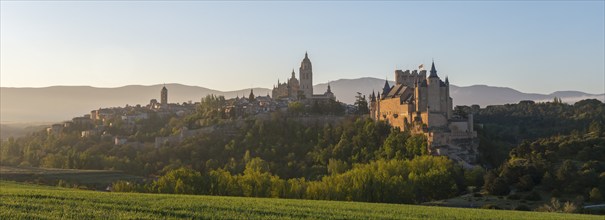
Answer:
(458, 126)
(421, 99)
(395, 112)
(436, 120)
(406, 78)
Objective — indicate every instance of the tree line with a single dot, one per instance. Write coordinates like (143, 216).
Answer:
(416, 180)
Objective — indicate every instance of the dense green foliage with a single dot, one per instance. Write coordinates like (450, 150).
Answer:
(571, 164)
(506, 126)
(87, 179)
(558, 148)
(394, 181)
(19, 201)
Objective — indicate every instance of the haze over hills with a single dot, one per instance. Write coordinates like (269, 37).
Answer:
(57, 103)
(483, 95)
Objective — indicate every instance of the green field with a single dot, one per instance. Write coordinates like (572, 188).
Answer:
(26, 201)
(91, 179)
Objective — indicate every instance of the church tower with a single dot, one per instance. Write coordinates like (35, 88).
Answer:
(164, 97)
(306, 77)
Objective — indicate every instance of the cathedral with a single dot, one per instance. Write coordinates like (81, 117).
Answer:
(422, 105)
(294, 90)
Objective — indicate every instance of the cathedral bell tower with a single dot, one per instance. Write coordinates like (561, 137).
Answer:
(306, 77)
(164, 97)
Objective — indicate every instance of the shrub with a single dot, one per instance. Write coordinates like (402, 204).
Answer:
(556, 206)
(595, 195)
(533, 196)
(514, 197)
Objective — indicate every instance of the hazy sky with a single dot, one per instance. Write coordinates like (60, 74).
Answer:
(533, 46)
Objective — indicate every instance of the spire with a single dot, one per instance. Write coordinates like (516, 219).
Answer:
(329, 89)
(386, 88)
(447, 81)
(433, 70)
(251, 96)
(373, 96)
(293, 74)
(306, 57)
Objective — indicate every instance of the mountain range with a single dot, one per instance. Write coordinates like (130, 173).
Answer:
(57, 103)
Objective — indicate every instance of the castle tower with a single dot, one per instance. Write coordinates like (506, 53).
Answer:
(434, 91)
(449, 101)
(164, 97)
(306, 77)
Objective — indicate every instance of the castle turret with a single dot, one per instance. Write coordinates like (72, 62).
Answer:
(433, 71)
(449, 101)
(434, 91)
(306, 77)
(386, 88)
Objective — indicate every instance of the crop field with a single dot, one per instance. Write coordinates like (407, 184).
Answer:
(26, 201)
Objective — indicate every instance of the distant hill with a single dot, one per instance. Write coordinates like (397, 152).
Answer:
(59, 103)
(346, 89)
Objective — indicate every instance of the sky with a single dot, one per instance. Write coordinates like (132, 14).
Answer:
(536, 46)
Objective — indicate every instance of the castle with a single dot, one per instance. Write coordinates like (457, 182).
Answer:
(422, 105)
(302, 90)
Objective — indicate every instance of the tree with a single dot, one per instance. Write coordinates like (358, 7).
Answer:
(295, 108)
(595, 195)
(474, 177)
(362, 104)
(566, 174)
(595, 128)
(182, 181)
(547, 181)
(337, 166)
(525, 183)
(495, 185)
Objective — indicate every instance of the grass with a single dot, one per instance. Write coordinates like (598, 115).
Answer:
(92, 179)
(26, 201)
